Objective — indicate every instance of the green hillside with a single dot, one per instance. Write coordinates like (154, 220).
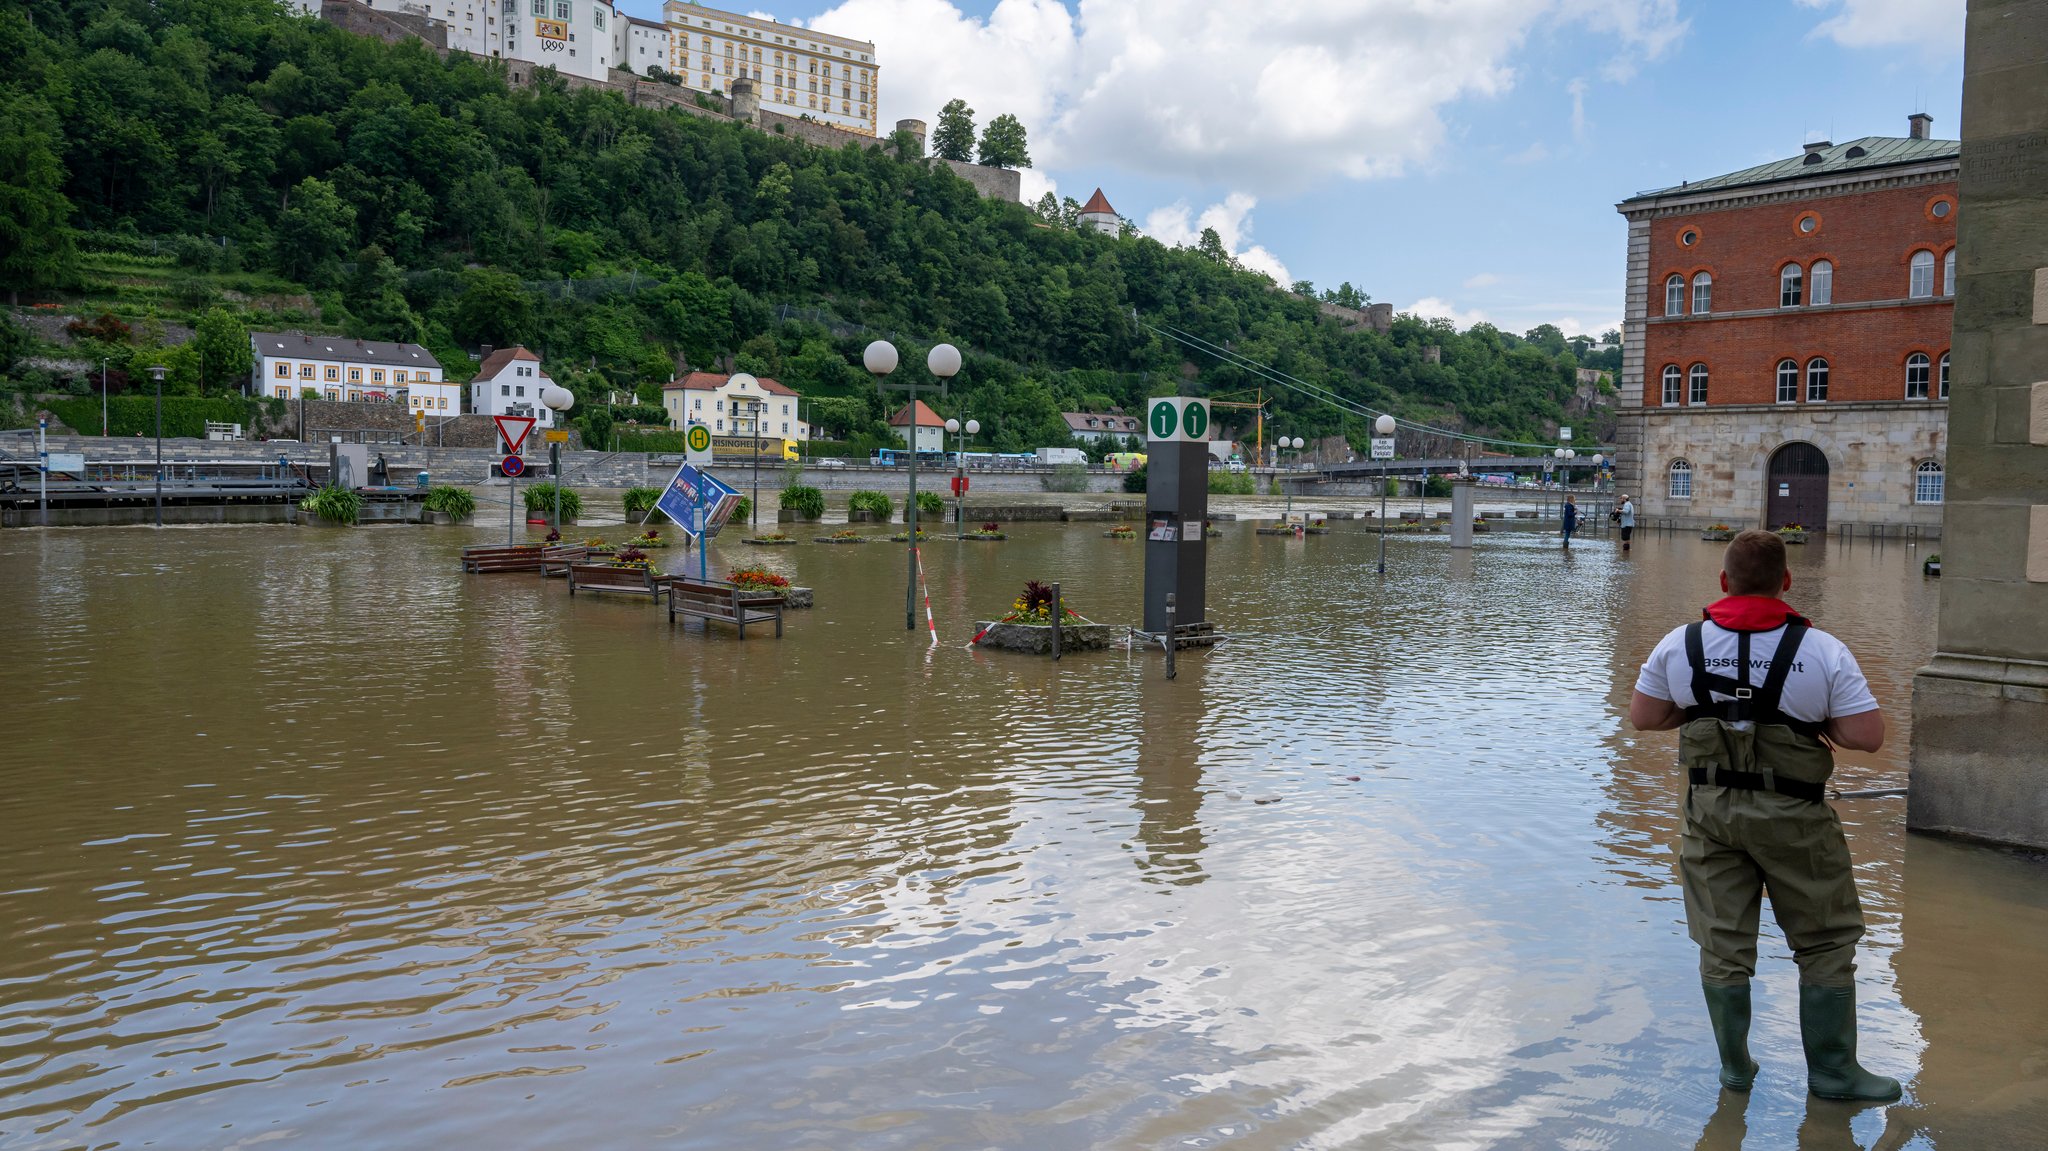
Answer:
(183, 160)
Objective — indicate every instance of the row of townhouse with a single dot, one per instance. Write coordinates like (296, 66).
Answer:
(289, 365)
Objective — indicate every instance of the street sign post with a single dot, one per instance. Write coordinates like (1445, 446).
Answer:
(1383, 448)
(557, 435)
(514, 430)
(1564, 434)
(697, 446)
(512, 466)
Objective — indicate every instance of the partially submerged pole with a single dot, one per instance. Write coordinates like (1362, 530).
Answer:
(1057, 609)
(1169, 635)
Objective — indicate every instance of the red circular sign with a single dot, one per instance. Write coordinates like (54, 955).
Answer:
(512, 465)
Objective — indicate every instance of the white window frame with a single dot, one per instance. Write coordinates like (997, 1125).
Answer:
(1819, 369)
(1791, 286)
(1696, 385)
(1920, 276)
(1821, 288)
(1944, 375)
(1679, 484)
(1672, 381)
(1674, 295)
(1702, 293)
(1919, 375)
(1788, 381)
(1948, 273)
(1930, 482)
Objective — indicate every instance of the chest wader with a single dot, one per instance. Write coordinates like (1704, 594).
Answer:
(1755, 820)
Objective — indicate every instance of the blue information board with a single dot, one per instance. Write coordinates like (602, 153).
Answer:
(691, 489)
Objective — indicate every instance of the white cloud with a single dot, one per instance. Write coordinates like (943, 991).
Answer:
(1482, 280)
(1430, 308)
(1035, 184)
(1935, 24)
(1273, 99)
(1174, 225)
(1535, 153)
(1577, 89)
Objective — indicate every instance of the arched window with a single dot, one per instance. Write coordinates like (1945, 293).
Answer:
(1928, 482)
(1917, 369)
(1681, 480)
(1788, 381)
(1823, 283)
(1791, 286)
(1702, 294)
(1697, 379)
(1948, 273)
(1672, 395)
(1674, 296)
(1816, 380)
(1944, 375)
(1920, 284)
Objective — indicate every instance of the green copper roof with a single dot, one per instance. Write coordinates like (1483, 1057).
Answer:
(1835, 159)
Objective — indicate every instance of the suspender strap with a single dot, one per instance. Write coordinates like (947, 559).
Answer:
(1756, 781)
(1758, 704)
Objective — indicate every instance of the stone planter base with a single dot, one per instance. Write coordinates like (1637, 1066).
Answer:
(852, 540)
(1793, 537)
(798, 598)
(1481, 526)
(1120, 535)
(922, 537)
(1720, 537)
(791, 516)
(855, 516)
(430, 516)
(1036, 639)
(996, 538)
(1931, 569)
(765, 543)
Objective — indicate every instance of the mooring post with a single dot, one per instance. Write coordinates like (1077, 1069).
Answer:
(1057, 610)
(1169, 635)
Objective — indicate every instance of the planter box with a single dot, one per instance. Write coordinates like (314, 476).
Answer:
(792, 516)
(865, 517)
(1112, 535)
(1931, 569)
(997, 537)
(1036, 639)
(1720, 537)
(848, 540)
(430, 516)
(798, 597)
(767, 543)
(1793, 537)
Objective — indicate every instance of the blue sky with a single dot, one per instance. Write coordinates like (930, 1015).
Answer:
(1451, 157)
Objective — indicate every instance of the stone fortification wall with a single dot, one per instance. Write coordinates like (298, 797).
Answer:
(390, 27)
(1872, 451)
(992, 183)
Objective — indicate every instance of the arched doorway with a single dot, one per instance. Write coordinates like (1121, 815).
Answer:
(1797, 488)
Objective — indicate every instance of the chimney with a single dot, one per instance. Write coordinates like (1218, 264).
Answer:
(1813, 146)
(1919, 125)
(487, 350)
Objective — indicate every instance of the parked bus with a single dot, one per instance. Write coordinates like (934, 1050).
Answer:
(742, 448)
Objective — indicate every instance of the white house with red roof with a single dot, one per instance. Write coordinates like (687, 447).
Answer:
(509, 384)
(1097, 214)
(931, 430)
(725, 404)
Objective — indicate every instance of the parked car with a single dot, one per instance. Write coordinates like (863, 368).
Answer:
(829, 462)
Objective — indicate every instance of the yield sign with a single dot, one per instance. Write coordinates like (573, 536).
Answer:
(505, 426)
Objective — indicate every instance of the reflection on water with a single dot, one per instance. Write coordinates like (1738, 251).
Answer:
(311, 838)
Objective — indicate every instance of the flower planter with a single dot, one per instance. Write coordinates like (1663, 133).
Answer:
(1720, 536)
(992, 537)
(1119, 535)
(1036, 639)
(844, 539)
(1793, 537)
(1481, 526)
(1931, 569)
(430, 516)
(922, 537)
(764, 542)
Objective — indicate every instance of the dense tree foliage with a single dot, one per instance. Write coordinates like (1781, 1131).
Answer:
(1003, 144)
(420, 198)
(953, 137)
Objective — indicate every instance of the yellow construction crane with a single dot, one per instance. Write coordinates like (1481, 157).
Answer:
(1258, 406)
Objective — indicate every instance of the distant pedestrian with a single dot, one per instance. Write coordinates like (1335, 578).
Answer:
(1571, 519)
(1625, 515)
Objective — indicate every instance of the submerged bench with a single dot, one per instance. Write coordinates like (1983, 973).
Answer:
(555, 559)
(605, 577)
(722, 602)
(482, 559)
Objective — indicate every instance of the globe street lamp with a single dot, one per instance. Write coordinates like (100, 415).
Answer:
(970, 428)
(1284, 443)
(157, 374)
(557, 399)
(1384, 426)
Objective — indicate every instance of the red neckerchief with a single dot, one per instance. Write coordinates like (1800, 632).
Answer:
(1751, 613)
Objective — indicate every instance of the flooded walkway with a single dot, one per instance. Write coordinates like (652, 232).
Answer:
(310, 840)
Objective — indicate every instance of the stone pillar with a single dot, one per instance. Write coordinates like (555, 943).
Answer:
(746, 101)
(1461, 512)
(1980, 709)
(916, 130)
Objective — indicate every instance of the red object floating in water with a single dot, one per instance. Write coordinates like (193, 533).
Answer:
(1352, 778)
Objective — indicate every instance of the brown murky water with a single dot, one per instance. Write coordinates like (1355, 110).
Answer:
(310, 840)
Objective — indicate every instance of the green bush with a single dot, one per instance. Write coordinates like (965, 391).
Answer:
(336, 505)
(647, 440)
(184, 416)
(805, 501)
(929, 504)
(540, 500)
(637, 501)
(874, 503)
(1224, 483)
(449, 500)
(1065, 478)
(1436, 486)
(1134, 480)
(743, 511)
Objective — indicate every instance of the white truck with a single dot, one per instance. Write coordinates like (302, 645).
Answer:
(1053, 457)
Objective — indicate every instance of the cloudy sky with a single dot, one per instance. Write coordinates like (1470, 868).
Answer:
(1450, 157)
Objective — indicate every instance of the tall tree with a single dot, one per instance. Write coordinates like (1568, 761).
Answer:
(954, 138)
(225, 357)
(1002, 144)
(314, 232)
(35, 242)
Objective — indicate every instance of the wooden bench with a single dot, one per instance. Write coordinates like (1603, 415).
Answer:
(556, 558)
(605, 577)
(482, 559)
(722, 602)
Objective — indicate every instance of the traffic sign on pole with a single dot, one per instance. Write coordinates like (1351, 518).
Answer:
(512, 466)
(697, 446)
(1383, 448)
(507, 425)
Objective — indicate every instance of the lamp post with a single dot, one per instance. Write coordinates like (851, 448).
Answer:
(157, 374)
(1286, 444)
(970, 428)
(558, 399)
(744, 381)
(1385, 427)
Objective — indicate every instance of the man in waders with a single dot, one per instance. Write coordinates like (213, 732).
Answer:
(1759, 696)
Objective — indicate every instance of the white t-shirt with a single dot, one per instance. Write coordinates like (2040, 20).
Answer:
(1825, 680)
(1628, 514)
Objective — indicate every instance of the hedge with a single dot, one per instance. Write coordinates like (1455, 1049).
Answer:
(184, 416)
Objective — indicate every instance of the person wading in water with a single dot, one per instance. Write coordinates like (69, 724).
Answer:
(1760, 697)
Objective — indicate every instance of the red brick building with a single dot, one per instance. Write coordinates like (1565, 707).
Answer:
(1786, 339)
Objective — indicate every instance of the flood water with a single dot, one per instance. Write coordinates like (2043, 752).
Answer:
(308, 840)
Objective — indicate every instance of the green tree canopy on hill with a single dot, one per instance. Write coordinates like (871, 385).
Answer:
(953, 139)
(1002, 144)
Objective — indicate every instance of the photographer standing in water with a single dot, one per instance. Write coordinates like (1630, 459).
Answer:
(1761, 697)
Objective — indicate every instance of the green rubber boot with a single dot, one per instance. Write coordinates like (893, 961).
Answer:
(1728, 1008)
(1827, 1028)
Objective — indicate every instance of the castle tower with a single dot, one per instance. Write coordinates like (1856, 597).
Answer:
(916, 130)
(746, 101)
(1097, 214)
